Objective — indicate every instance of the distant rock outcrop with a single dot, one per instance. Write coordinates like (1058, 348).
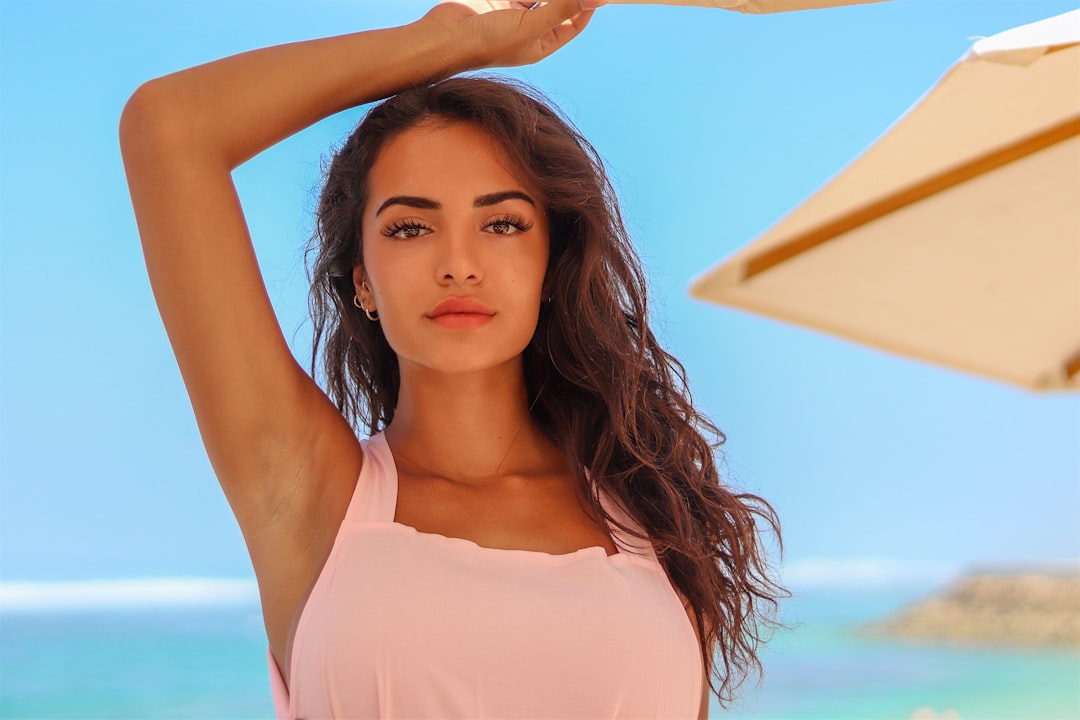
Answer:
(999, 608)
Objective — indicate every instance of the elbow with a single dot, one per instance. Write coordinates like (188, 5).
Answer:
(142, 118)
(153, 121)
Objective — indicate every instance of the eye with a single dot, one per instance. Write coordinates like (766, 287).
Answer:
(408, 229)
(507, 225)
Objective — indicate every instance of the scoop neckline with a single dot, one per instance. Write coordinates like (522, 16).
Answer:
(621, 554)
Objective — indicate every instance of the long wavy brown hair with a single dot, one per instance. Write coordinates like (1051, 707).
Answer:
(599, 383)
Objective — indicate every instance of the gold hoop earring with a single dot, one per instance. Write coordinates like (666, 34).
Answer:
(360, 306)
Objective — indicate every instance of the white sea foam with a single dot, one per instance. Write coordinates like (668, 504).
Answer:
(865, 572)
(119, 594)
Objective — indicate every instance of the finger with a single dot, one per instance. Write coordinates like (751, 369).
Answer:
(562, 34)
(552, 14)
(559, 36)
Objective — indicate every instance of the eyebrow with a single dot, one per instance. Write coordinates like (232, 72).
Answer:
(496, 198)
(423, 203)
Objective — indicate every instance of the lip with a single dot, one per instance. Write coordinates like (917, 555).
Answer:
(461, 313)
(461, 306)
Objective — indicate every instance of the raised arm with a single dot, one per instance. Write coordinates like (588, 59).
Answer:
(283, 454)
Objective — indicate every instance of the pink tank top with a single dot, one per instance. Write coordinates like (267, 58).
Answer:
(408, 624)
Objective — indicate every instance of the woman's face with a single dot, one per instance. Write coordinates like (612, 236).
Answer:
(447, 219)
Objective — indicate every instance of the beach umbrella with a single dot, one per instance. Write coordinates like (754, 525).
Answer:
(955, 238)
(751, 6)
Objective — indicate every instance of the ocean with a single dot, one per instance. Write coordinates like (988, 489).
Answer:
(202, 659)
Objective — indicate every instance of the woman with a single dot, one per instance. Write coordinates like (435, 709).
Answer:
(536, 526)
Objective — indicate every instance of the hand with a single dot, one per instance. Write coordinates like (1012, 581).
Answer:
(507, 34)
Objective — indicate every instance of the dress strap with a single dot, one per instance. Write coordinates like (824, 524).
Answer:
(374, 498)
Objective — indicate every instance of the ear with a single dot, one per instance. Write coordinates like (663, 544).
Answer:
(365, 295)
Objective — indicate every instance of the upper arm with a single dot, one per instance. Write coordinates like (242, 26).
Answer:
(260, 415)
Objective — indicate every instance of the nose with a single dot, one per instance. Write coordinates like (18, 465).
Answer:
(458, 259)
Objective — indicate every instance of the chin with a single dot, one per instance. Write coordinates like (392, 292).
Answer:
(465, 358)
(460, 352)
(467, 363)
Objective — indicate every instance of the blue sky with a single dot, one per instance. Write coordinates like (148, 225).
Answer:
(714, 125)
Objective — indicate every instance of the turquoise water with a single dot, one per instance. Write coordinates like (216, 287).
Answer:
(174, 663)
(826, 667)
(210, 663)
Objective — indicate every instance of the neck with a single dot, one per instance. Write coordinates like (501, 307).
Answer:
(469, 428)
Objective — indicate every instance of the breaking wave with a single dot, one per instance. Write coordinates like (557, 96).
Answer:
(865, 572)
(22, 596)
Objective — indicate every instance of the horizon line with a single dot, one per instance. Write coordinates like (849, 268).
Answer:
(125, 593)
(852, 573)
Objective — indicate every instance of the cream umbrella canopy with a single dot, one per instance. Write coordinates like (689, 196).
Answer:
(955, 238)
(751, 6)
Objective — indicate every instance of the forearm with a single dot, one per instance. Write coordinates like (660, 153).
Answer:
(230, 110)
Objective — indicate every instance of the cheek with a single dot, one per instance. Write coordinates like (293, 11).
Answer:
(383, 270)
(525, 282)
(532, 263)
(391, 288)
(398, 297)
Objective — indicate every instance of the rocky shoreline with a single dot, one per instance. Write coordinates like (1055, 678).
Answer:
(1001, 608)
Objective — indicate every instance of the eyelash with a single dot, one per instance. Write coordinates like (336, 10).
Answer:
(398, 226)
(395, 227)
(512, 220)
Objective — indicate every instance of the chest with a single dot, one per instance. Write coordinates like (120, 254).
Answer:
(546, 514)
(440, 627)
